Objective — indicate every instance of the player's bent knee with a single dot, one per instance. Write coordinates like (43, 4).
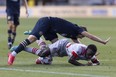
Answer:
(32, 38)
(45, 52)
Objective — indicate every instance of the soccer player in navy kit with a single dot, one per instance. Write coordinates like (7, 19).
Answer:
(49, 27)
(13, 13)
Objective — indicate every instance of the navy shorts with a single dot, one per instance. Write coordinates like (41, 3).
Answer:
(43, 27)
(13, 17)
(50, 35)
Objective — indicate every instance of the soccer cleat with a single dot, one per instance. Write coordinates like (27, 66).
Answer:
(27, 32)
(13, 48)
(11, 59)
(38, 61)
(44, 60)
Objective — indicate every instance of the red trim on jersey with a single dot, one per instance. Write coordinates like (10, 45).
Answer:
(68, 45)
(74, 54)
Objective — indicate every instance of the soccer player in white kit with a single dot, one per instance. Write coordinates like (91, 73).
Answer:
(63, 47)
(74, 51)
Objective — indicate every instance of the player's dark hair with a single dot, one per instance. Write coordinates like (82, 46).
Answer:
(84, 28)
(93, 48)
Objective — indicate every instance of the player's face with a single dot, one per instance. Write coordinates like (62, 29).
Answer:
(80, 36)
(89, 54)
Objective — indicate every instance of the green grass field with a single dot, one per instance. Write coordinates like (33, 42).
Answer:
(24, 65)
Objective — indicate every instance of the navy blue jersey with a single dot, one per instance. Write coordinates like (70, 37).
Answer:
(65, 28)
(50, 26)
(13, 6)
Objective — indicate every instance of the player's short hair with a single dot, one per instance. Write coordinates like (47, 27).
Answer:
(93, 48)
(84, 28)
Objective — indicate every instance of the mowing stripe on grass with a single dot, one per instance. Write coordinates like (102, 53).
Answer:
(48, 72)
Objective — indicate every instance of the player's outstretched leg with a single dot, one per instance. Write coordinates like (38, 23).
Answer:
(21, 47)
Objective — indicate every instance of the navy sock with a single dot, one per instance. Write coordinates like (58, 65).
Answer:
(14, 35)
(22, 45)
(9, 32)
(9, 36)
(9, 39)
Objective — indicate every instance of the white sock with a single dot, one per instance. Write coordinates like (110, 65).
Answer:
(14, 53)
(28, 49)
(32, 50)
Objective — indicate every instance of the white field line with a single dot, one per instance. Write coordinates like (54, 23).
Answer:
(48, 72)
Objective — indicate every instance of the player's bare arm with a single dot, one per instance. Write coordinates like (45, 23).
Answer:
(76, 63)
(73, 61)
(95, 38)
(26, 7)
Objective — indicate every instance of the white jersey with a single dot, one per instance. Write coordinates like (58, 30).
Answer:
(77, 50)
(64, 48)
(59, 48)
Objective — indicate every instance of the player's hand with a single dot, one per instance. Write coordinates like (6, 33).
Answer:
(107, 40)
(27, 13)
(89, 64)
(92, 64)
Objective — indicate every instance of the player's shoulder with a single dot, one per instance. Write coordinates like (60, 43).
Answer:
(80, 45)
(65, 39)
